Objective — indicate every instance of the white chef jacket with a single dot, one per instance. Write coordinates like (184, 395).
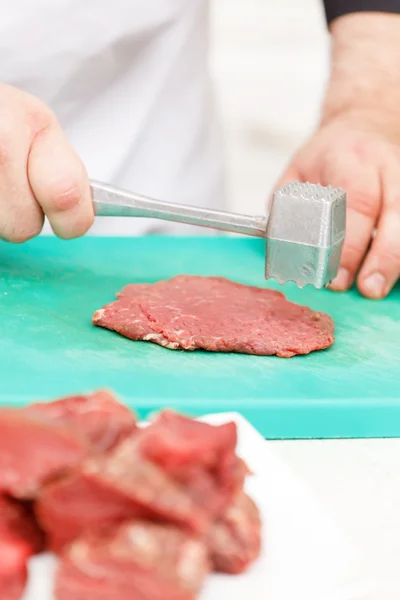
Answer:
(130, 85)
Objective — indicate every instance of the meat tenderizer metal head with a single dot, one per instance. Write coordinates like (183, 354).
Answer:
(305, 234)
(304, 231)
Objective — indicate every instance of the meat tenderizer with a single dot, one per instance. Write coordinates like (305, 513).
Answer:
(304, 230)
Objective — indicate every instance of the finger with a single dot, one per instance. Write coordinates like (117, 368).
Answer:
(60, 184)
(381, 268)
(363, 192)
(21, 217)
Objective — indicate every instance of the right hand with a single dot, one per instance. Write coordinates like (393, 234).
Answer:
(40, 173)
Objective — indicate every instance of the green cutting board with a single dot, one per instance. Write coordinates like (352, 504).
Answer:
(49, 290)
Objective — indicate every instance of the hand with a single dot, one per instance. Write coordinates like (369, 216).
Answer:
(40, 174)
(357, 147)
(354, 152)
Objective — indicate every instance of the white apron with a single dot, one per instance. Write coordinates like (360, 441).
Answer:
(129, 82)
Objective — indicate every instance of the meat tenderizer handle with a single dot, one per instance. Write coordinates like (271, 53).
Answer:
(109, 201)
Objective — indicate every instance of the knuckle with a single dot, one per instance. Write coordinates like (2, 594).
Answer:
(352, 254)
(21, 235)
(38, 116)
(64, 197)
(389, 254)
(351, 250)
(24, 117)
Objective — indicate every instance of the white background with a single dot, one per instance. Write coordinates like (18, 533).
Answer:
(270, 62)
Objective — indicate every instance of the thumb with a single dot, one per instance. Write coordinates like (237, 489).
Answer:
(60, 183)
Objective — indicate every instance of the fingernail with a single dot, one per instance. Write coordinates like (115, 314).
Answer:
(374, 285)
(342, 280)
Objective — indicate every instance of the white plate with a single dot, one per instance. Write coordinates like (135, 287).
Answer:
(305, 556)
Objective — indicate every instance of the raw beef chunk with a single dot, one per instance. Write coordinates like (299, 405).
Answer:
(97, 417)
(215, 314)
(140, 561)
(20, 538)
(235, 539)
(176, 470)
(33, 450)
(176, 442)
(108, 490)
(199, 456)
(141, 513)
(74, 504)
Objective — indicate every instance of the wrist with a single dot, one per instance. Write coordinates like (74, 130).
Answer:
(365, 72)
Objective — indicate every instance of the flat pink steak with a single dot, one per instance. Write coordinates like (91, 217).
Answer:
(217, 315)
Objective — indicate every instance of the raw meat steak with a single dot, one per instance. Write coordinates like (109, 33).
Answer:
(33, 450)
(19, 539)
(140, 561)
(235, 540)
(111, 489)
(215, 314)
(98, 417)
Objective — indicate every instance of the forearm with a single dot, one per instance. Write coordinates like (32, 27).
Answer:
(365, 71)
